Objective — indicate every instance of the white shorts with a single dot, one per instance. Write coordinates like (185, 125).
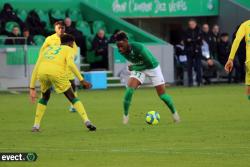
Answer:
(155, 75)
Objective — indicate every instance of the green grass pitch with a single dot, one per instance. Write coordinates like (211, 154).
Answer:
(215, 130)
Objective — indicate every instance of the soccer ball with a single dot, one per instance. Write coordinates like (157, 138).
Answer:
(152, 117)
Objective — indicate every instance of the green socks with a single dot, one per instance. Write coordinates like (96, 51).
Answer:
(127, 99)
(169, 102)
(248, 97)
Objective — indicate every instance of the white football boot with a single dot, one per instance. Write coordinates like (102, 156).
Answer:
(176, 117)
(125, 119)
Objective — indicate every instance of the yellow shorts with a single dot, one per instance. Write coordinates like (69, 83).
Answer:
(247, 80)
(60, 83)
(70, 74)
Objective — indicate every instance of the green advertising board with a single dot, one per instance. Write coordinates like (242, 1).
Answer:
(158, 8)
(17, 56)
(244, 3)
(133, 8)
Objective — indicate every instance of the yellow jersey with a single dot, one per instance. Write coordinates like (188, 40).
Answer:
(55, 40)
(55, 60)
(243, 31)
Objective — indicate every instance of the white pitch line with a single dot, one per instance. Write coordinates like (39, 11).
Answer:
(166, 151)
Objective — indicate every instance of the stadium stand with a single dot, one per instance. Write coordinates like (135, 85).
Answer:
(39, 39)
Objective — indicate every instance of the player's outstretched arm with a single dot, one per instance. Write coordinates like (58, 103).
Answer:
(229, 65)
(77, 73)
(34, 72)
(33, 95)
(239, 36)
(85, 84)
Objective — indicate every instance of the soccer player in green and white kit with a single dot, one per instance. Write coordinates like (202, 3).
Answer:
(143, 64)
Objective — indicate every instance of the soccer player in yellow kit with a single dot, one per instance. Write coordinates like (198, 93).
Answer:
(50, 70)
(55, 40)
(243, 31)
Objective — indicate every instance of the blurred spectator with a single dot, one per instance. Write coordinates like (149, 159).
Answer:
(215, 41)
(113, 37)
(209, 62)
(193, 42)
(100, 47)
(216, 31)
(181, 53)
(224, 48)
(79, 37)
(7, 14)
(68, 26)
(181, 62)
(29, 38)
(16, 40)
(206, 35)
(35, 25)
(210, 65)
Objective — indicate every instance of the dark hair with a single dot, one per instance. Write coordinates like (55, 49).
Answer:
(25, 29)
(121, 36)
(7, 6)
(224, 34)
(116, 31)
(66, 39)
(61, 23)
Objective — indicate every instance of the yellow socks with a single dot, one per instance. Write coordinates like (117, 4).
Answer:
(40, 109)
(80, 109)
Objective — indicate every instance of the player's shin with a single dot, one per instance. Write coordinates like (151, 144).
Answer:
(248, 92)
(80, 109)
(40, 109)
(169, 102)
(127, 100)
(72, 109)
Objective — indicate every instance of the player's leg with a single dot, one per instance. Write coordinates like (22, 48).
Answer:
(168, 101)
(158, 81)
(135, 80)
(77, 104)
(247, 79)
(40, 110)
(73, 85)
(248, 92)
(42, 103)
(62, 85)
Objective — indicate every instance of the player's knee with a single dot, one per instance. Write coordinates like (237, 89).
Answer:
(74, 100)
(43, 101)
(46, 95)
